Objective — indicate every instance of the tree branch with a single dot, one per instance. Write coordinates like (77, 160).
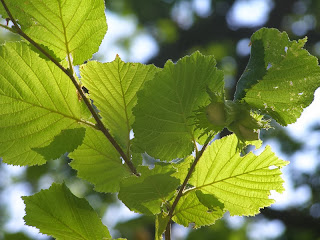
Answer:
(184, 184)
(69, 73)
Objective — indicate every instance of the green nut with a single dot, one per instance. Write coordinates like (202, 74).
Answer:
(216, 114)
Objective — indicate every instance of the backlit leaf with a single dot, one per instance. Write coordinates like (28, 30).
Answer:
(164, 126)
(37, 100)
(113, 88)
(57, 212)
(67, 27)
(280, 78)
(242, 184)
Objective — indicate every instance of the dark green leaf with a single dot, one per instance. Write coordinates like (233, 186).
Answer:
(164, 125)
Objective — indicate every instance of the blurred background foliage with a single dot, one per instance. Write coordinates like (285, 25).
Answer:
(173, 29)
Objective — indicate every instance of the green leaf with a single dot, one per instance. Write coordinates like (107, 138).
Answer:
(98, 162)
(190, 210)
(67, 141)
(146, 194)
(242, 184)
(267, 47)
(57, 212)
(37, 100)
(166, 105)
(113, 87)
(70, 27)
(280, 78)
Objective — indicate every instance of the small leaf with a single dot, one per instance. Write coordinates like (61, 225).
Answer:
(57, 212)
(98, 162)
(67, 141)
(147, 194)
(113, 87)
(166, 105)
(242, 184)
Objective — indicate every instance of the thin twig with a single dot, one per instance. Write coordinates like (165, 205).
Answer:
(69, 73)
(184, 184)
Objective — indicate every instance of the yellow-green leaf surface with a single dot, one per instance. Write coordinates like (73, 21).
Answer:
(98, 162)
(113, 88)
(37, 101)
(67, 27)
(280, 78)
(57, 212)
(242, 184)
(164, 125)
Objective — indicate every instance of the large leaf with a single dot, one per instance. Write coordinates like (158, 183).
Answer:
(57, 212)
(280, 78)
(98, 162)
(37, 101)
(242, 184)
(113, 87)
(164, 125)
(67, 27)
(147, 194)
